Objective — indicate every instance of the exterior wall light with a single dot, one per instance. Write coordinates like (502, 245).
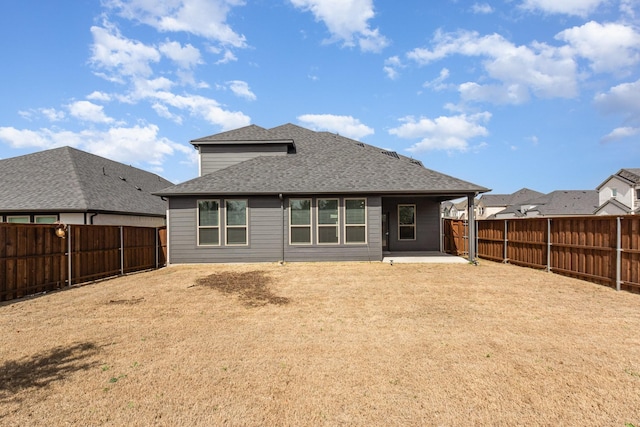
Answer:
(61, 229)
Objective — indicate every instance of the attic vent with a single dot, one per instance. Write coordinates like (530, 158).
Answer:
(138, 188)
(122, 178)
(391, 154)
(359, 144)
(416, 162)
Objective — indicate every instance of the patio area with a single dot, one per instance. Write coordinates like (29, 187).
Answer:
(431, 257)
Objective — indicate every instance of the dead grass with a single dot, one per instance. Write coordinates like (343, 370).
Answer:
(327, 344)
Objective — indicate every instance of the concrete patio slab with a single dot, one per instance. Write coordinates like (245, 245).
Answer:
(422, 257)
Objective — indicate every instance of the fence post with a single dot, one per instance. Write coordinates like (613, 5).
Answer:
(157, 248)
(548, 244)
(69, 257)
(121, 251)
(618, 253)
(504, 251)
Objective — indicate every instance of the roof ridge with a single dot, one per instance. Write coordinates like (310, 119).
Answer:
(71, 152)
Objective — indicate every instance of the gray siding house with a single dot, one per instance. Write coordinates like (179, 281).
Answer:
(293, 194)
(75, 187)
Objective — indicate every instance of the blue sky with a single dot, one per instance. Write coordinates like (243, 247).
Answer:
(543, 94)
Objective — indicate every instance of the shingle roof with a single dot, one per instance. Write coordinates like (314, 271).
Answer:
(560, 202)
(497, 200)
(67, 179)
(323, 163)
(632, 174)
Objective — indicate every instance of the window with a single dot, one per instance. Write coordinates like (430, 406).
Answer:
(208, 223)
(614, 192)
(45, 219)
(328, 221)
(355, 213)
(19, 219)
(300, 221)
(236, 229)
(406, 222)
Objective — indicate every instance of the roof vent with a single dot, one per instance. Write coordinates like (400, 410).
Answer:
(123, 178)
(391, 154)
(416, 162)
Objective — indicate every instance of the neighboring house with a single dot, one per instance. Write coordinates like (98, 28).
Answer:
(292, 194)
(620, 193)
(556, 203)
(489, 205)
(454, 209)
(74, 187)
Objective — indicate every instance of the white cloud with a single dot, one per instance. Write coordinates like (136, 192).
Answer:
(347, 21)
(52, 114)
(241, 89)
(546, 71)
(481, 8)
(205, 108)
(185, 56)
(623, 98)
(132, 145)
(438, 82)
(115, 53)
(609, 47)
(343, 125)
(99, 96)
(89, 112)
(391, 67)
(17, 138)
(205, 18)
(621, 133)
(227, 57)
(443, 133)
(567, 7)
(513, 94)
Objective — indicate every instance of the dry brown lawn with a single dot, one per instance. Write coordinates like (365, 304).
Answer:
(324, 344)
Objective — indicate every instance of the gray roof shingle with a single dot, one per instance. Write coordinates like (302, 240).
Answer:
(323, 163)
(560, 202)
(67, 179)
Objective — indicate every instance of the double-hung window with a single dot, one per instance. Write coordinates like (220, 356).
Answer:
(236, 222)
(407, 222)
(328, 221)
(300, 221)
(355, 224)
(208, 223)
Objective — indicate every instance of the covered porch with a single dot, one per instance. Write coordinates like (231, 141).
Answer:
(412, 227)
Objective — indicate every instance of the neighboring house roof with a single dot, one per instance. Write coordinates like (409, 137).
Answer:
(69, 180)
(498, 200)
(616, 204)
(323, 163)
(560, 202)
(630, 176)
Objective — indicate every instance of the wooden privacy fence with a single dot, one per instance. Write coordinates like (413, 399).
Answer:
(33, 259)
(600, 249)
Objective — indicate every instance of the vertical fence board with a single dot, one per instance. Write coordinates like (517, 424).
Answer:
(34, 260)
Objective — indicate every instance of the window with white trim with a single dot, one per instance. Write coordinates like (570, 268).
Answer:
(19, 219)
(355, 221)
(45, 219)
(328, 221)
(208, 222)
(300, 221)
(236, 222)
(406, 222)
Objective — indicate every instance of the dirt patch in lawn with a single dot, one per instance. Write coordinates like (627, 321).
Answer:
(355, 344)
(250, 286)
